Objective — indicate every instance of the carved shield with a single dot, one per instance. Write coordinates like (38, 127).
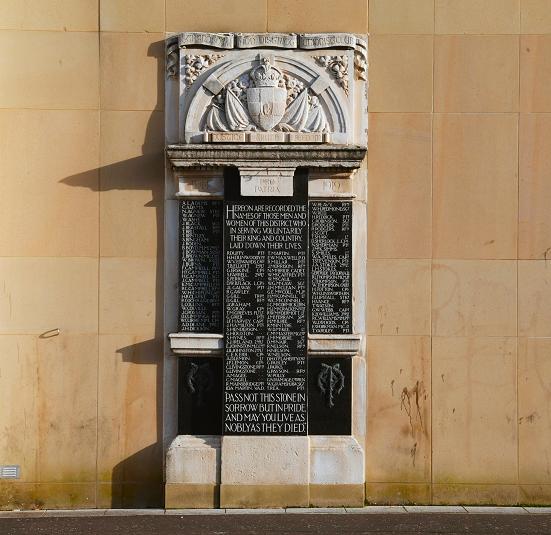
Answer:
(266, 105)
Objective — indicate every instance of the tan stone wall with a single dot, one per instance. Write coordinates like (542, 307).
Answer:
(459, 231)
(459, 235)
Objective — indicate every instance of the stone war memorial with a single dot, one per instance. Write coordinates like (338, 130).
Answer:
(274, 253)
(266, 244)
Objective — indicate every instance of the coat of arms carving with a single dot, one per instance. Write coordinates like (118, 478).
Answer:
(266, 99)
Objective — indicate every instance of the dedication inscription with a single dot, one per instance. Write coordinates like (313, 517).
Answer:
(265, 367)
(201, 266)
(330, 267)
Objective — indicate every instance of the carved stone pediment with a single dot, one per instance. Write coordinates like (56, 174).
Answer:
(268, 88)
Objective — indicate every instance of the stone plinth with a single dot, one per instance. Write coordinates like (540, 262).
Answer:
(264, 471)
(193, 472)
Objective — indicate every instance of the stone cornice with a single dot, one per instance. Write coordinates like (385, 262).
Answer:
(328, 156)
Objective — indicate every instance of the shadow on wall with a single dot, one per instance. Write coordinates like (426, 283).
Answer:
(136, 481)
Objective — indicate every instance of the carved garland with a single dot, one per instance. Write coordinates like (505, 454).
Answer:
(194, 65)
(337, 66)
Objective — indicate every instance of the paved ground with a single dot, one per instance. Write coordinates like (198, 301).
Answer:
(367, 521)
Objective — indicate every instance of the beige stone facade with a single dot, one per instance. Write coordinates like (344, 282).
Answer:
(459, 237)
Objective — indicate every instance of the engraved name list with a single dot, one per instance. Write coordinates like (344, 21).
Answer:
(265, 244)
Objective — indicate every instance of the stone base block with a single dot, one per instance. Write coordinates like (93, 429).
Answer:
(193, 460)
(263, 496)
(473, 494)
(265, 460)
(337, 495)
(399, 494)
(336, 460)
(535, 495)
(191, 496)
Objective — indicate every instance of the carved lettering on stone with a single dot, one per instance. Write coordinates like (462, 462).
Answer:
(327, 40)
(216, 40)
(257, 40)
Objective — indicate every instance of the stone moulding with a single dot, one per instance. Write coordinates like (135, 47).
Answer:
(334, 345)
(264, 162)
(327, 156)
(196, 344)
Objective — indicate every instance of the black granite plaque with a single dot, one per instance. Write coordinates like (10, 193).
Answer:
(200, 396)
(201, 266)
(329, 396)
(330, 267)
(265, 367)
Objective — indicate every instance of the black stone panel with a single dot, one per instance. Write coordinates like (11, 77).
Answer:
(265, 365)
(201, 266)
(329, 396)
(330, 267)
(200, 396)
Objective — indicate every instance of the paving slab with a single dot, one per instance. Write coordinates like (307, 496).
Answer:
(435, 509)
(376, 509)
(195, 512)
(134, 512)
(275, 511)
(22, 514)
(316, 510)
(75, 512)
(477, 509)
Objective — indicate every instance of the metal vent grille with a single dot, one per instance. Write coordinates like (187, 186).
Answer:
(9, 471)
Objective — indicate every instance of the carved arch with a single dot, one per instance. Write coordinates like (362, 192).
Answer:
(329, 95)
